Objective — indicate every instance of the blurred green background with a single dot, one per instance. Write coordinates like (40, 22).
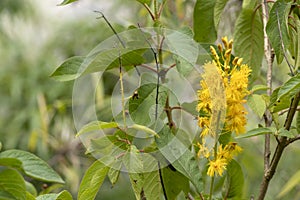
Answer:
(36, 111)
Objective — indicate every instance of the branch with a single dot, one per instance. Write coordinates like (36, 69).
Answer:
(148, 67)
(283, 142)
(293, 139)
(286, 110)
(269, 59)
(149, 11)
(267, 115)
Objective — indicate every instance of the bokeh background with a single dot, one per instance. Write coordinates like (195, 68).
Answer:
(36, 111)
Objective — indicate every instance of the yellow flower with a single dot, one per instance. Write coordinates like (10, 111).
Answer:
(203, 121)
(223, 88)
(233, 148)
(223, 153)
(216, 167)
(229, 151)
(204, 98)
(204, 132)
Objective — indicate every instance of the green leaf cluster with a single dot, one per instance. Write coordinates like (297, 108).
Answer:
(14, 165)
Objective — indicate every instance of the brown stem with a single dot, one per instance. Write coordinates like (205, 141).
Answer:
(267, 115)
(149, 11)
(148, 67)
(294, 139)
(268, 55)
(283, 142)
(168, 111)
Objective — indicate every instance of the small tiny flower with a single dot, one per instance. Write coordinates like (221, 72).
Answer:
(217, 167)
(239, 62)
(235, 60)
(225, 41)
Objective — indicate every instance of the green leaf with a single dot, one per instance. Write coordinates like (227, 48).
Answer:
(29, 196)
(235, 181)
(109, 59)
(33, 166)
(184, 49)
(276, 104)
(257, 104)
(76, 66)
(65, 2)
(204, 25)
(256, 132)
(183, 66)
(218, 9)
(96, 125)
(171, 176)
(190, 107)
(148, 181)
(291, 183)
(92, 180)
(180, 157)
(152, 185)
(256, 88)
(148, 2)
(114, 172)
(144, 128)
(289, 88)
(30, 188)
(64, 195)
(285, 133)
(249, 38)
(47, 197)
(12, 185)
(133, 160)
(51, 188)
(69, 69)
(142, 109)
(109, 148)
(277, 28)
(137, 182)
(11, 162)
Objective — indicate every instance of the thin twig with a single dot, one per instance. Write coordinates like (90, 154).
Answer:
(115, 32)
(189, 196)
(149, 11)
(110, 26)
(293, 139)
(286, 110)
(170, 67)
(157, 69)
(122, 90)
(162, 181)
(148, 67)
(267, 115)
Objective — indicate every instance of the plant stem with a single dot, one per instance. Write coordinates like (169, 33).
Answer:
(268, 55)
(122, 91)
(283, 142)
(211, 187)
(267, 115)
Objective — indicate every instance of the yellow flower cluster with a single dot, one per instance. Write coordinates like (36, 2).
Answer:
(230, 78)
(224, 156)
(235, 82)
